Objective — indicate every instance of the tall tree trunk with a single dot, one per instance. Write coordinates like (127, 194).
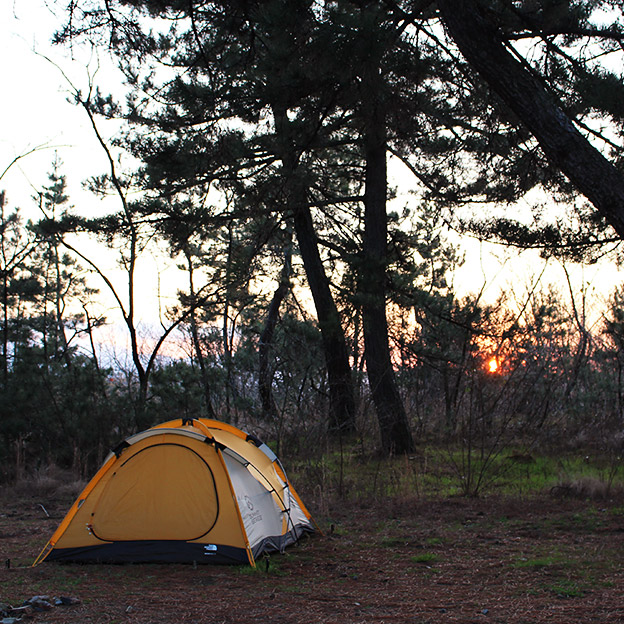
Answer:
(341, 401)
(5, 328)
(265, 372)
(395, 433)
(4, 275)
(537, 107)
(341, 391)
(226, 334)
(94, 353)
(199, 353)
(60, 307)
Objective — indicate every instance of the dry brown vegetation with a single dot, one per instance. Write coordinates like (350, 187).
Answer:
(526, 560)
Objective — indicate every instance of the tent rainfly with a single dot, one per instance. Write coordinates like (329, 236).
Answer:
(185, 491)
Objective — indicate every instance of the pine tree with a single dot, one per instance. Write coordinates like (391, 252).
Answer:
(227, 120)
(555, 96)
(293, 108)
(19, 286)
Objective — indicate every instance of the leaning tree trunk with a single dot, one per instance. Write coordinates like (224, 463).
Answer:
(341, 392)
(341, 401)
(537, 107)
(265, 372)
(197, 346)
(395, 432)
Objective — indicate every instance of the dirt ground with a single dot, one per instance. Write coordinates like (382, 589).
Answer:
(411, 561)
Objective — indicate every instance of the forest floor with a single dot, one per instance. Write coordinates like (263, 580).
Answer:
(518, 560)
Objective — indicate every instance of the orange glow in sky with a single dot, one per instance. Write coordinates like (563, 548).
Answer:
(493, 365)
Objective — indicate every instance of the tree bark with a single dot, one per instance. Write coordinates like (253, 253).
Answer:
(537, 107)
(59, 305)
(265, 372)
(199, 352)
(341, 401)
(341, 393)
(394, 427)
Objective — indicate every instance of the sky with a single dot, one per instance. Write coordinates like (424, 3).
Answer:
(35, 115)
(38, 123)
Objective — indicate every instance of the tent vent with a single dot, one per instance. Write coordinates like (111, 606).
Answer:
(217, 445)
(187, 422)
(252, 438)
(120, 448)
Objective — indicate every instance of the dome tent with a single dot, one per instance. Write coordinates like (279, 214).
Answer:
(191, 490)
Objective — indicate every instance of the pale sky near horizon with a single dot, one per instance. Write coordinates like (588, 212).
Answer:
(35, 113)
(34, 102)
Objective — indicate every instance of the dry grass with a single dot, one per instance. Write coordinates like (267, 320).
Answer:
(586, 488)
(46, 483)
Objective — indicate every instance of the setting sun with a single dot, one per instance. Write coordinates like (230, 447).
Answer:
(493, 365)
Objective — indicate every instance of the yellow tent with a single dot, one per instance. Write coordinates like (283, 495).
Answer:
(184, 491)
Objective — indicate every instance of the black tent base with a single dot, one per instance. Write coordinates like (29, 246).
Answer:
(151, 551)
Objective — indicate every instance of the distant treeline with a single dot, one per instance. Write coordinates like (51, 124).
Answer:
(316, 300)
(557, 383)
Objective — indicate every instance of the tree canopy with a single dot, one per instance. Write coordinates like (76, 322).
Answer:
(264, 131)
